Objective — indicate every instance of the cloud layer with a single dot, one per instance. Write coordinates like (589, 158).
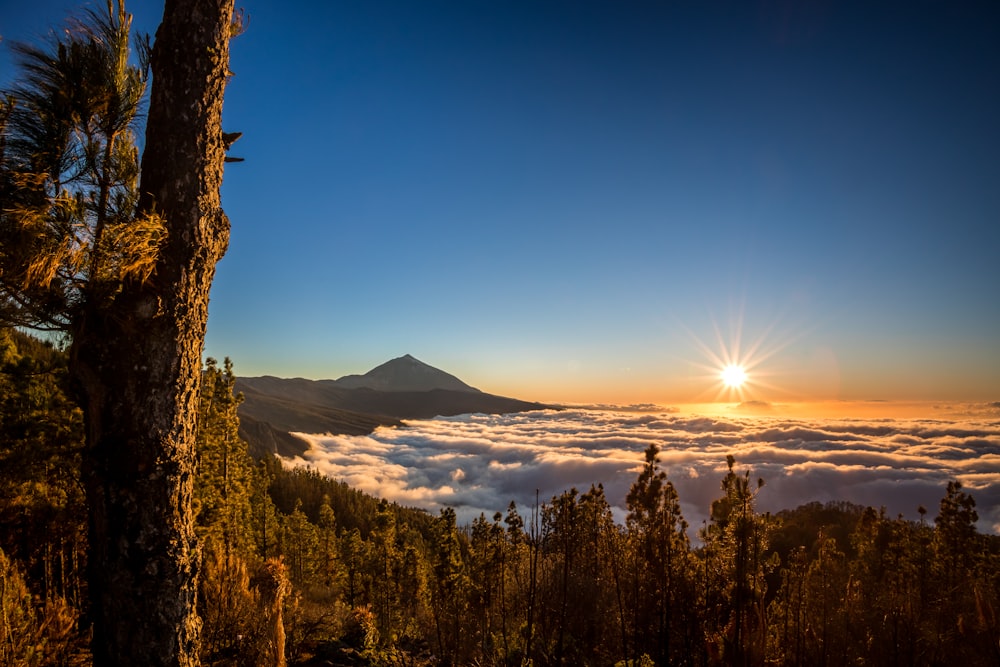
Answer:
(480, 463)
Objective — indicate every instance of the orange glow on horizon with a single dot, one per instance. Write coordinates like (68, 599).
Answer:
(756, 398)
(735, 370)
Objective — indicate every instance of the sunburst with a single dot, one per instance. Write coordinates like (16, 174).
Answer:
(734, 370)
(733, 376)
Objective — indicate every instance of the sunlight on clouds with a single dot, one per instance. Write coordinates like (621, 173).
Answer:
(480, 463)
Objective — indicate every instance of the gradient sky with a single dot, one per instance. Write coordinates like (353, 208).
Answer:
(596, 201)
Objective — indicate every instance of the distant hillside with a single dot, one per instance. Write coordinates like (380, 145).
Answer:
(403, 388)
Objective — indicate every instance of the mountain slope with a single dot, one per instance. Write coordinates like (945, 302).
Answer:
(403, 388)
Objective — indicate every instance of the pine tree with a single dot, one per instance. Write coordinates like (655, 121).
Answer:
(299, 547)
(735, 543)
(658, 534)
(486, 575)
(263, 518)
(449, 587)
(383, 563)
(126, 272)
(225, 483)
(956, 534)
(70, 227)
(328, 563)
(355, 557)
(957, 554)
(42, 510)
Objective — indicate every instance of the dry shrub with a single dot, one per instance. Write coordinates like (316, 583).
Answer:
(228, 609)
(31, 632)
(311, 621)
(361, 629)
(241, 615)
(272, 586)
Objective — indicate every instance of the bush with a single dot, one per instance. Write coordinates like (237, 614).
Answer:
(33, 632)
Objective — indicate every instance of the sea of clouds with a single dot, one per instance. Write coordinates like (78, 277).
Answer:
(480, 463)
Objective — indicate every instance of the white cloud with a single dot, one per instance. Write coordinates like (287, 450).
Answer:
(480, 463)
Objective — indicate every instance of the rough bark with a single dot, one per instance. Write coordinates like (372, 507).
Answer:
(137, 361)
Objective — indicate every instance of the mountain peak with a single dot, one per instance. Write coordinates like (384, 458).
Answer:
(405, 373)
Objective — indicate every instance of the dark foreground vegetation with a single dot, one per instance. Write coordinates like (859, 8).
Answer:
(302, 568)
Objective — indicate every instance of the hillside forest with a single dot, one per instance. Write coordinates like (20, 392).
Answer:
(99, 560)
(300, 569)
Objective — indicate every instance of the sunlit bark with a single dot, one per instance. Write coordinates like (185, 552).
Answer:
(137, 361)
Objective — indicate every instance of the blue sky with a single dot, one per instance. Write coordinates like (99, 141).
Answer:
(586, 201)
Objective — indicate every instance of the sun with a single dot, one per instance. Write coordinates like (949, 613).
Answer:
(733, 376)
(735, 368)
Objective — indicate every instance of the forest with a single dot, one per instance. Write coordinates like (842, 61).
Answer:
(300, 569)
(136, 527)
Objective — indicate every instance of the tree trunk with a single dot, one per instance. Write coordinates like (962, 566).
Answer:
(137, 362)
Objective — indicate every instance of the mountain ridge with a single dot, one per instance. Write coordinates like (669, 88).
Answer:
(274, 408)
(405, 373)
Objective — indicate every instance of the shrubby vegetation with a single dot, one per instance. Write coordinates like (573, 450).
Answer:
(303, 567)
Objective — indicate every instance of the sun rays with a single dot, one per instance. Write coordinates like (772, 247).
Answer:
(734, 370)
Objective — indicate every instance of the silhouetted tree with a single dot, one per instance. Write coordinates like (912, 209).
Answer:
(486, 564)
(736, 542)
(956, 534)
(658, 534)
(957, 555)
(592, 622)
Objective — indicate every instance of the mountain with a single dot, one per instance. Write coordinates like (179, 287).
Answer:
(403, 388)
(404, 374)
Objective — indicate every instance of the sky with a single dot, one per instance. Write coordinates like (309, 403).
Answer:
(598, 201)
